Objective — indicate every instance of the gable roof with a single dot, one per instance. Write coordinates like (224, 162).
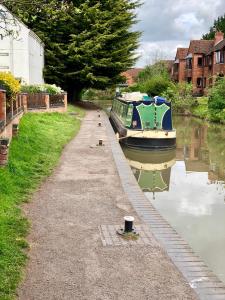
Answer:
(220, 45)
(181, 53)
(201, 46)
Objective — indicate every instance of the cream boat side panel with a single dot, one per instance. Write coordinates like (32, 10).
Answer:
(154, 134)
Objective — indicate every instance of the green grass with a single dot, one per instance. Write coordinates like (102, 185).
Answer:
(201, 110)
(32, 157)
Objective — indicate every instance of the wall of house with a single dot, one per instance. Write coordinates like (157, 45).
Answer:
(22, 54)
(181, 73)
(197, 72)
(36, 59)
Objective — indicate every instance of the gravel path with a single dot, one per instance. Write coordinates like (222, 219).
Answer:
(67, 258)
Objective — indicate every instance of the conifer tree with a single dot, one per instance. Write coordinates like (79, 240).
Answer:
(219, 25)
(87, 43)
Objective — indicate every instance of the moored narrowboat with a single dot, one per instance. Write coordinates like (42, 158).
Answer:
(143, 122)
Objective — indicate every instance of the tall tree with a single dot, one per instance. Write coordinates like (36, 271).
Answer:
(219, 25)
(88, 43)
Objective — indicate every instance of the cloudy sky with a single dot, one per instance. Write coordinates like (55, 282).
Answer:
(168, 24)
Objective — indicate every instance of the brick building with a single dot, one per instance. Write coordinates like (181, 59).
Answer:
(178, 70)
(131, 75)
(200, 63)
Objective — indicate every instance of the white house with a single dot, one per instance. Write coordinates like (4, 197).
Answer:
(22, 51)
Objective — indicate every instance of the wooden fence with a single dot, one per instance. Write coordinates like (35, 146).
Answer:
(29, 102)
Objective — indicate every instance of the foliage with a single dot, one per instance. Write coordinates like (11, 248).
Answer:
(93, 94)
(219, 25)
(10, 84)
(51, 89)
(200, 110)
(158, 69)
(180, 94)
(88, 43)
(153, 80)
(216, 102)
(154, 86)
(33, 154)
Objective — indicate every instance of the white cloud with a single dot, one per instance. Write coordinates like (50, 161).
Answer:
(167, 23)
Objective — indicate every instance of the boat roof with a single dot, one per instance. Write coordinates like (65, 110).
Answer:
(134, 96)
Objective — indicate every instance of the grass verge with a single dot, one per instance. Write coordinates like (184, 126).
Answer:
(32, 157)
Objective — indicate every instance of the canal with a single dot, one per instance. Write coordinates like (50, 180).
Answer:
(187, 186)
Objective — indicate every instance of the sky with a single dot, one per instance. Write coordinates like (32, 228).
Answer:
(169, 24)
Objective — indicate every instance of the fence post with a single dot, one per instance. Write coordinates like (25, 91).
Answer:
(47, 101)
(65, 101)
(3, 106)
(24, 101)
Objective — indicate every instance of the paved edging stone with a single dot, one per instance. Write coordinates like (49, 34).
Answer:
(199, 276)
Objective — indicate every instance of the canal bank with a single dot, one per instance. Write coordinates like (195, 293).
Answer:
(75, 252)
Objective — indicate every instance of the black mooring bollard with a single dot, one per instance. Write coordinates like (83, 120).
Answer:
(99, 124)
(128, 227)
(100, 142)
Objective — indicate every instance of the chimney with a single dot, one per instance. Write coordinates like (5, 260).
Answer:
(219, 36)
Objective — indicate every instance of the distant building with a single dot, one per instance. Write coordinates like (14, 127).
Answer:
(131, 75)
(21, 53)
(178, 70)
(201, 63)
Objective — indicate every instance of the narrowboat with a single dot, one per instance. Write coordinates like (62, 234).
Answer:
(143, 122)
(152, 172)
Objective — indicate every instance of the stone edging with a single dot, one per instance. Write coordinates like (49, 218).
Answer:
(199, 276)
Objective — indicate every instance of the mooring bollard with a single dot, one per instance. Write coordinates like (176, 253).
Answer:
(128, 223)
(100, 142)
(128, 232)
(99, 124)
(99, 115)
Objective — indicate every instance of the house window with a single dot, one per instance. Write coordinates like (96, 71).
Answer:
(200, 61)
(204, 82)
(189, 63)
(189, 80)
(220, 57)
(199, 82)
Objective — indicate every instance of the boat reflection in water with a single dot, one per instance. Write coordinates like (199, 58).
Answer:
(151, 168)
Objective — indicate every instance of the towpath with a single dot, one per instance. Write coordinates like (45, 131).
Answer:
(68, 259)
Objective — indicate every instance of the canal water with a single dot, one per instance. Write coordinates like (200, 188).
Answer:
(187, 186)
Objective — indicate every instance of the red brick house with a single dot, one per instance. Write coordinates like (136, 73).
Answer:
(131, 75)
(178, 69)
(201, 63)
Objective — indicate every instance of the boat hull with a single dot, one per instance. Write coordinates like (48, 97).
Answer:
(149, 143)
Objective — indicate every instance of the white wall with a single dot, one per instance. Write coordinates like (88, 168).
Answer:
(22, 54)
(36, 60)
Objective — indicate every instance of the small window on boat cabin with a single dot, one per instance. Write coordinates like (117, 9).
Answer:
(199, 82)
(200, 61)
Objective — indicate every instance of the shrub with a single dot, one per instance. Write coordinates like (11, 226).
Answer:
(9, 83)
(155, 86)
(216, 101)
(180, 94)
(51, 89)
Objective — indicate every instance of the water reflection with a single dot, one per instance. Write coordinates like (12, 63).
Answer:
(192, 196)
(151, 169)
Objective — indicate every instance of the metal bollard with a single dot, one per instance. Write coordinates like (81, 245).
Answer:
(99, 124)
(128, 224)
(100, 142)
